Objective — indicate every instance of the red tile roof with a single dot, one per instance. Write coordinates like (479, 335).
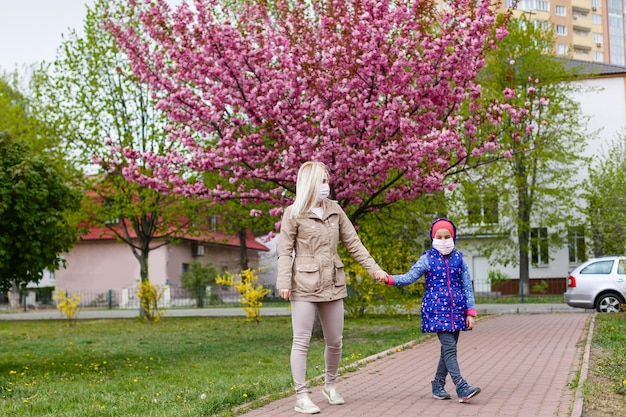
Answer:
(215, 238)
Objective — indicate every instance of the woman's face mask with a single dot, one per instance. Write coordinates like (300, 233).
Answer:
(324, 191)
(444, 246)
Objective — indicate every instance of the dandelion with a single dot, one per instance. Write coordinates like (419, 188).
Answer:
(203, 396)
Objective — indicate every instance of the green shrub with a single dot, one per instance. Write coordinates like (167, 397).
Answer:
(197, 278)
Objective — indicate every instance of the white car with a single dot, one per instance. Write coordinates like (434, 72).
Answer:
(599, 283)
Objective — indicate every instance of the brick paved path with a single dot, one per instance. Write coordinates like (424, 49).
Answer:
(522, 362)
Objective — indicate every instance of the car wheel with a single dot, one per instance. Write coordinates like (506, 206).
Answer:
(609, 303)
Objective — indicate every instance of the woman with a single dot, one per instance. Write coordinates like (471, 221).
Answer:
(311, 275)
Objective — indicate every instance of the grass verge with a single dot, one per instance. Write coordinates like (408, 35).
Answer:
(177, 367)
(604, 391)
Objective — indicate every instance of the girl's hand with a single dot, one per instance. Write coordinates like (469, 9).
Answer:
(469, 322)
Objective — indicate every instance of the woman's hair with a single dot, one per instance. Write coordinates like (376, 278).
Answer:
(310, 177)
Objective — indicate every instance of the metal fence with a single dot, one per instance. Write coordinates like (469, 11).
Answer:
(127, 298)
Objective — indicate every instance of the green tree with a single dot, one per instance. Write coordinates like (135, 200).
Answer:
(19, 118)
(239, 216)
(520, 196)
(396, 237)
(197, 278)
(98, 109)
(35, 204)
(605, 193)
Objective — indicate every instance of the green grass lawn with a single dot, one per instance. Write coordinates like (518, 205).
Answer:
(177, 367)
(604, 391)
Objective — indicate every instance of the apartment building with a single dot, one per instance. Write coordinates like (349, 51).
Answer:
(587, 30)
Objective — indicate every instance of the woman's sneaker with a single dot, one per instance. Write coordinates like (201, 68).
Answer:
(333, 397)
(306, 406)
(465, 392)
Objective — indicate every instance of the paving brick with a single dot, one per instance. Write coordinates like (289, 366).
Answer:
(522, 362)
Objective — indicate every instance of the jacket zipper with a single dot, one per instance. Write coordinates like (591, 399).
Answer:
(450, 292)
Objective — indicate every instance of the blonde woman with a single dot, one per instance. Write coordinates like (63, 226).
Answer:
(311, 276)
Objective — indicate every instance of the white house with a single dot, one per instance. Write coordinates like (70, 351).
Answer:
(603, 100)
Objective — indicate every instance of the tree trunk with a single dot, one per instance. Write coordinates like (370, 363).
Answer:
(143, 268)
(524, 265)
(524, 207)
(243, 253)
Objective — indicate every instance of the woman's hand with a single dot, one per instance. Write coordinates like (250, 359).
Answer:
(380, 276)
(285, 294)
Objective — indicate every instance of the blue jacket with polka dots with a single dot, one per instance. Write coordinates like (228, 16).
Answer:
(448, 294)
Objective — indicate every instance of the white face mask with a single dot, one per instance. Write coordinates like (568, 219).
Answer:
(324, 191)
(444, 246)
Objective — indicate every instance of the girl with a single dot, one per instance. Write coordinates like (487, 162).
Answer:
(447, 305)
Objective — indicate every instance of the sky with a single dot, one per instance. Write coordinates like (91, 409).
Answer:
(31, 30)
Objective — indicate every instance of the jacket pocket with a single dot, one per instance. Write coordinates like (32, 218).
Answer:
(307, 278)
(340, 274)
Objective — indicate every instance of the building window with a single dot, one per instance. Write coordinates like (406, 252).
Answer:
(598, 38)
(561, 30)
(595, 4)
(598, 56)
(561, 49)
(213, 222)
(112, 220)
(530, 5)
(576, 244)
(539, 246)
(596, 19)
(185, 267)
(483, 210)
(560, 11)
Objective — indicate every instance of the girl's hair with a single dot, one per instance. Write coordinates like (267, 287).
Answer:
(310, 177)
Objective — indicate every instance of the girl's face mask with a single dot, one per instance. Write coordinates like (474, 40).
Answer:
(444, 246)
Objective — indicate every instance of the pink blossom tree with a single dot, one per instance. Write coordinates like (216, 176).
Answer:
(372, 88)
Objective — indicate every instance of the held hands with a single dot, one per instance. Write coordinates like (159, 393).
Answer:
(285, 294)
(381, 276)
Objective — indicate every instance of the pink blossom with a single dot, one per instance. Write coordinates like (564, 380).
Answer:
(253, 97)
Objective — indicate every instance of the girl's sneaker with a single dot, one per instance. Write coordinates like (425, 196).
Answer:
(439, 392)
(466, 392)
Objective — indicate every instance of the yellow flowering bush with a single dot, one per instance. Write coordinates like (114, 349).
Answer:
(250, 290)
(149, 295)
(66, 304)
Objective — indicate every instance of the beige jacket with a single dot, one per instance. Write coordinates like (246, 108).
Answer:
(308, 261)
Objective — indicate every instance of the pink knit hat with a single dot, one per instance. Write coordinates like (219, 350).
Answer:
(442, 224)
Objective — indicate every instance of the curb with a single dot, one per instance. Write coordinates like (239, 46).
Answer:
(577, 410)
